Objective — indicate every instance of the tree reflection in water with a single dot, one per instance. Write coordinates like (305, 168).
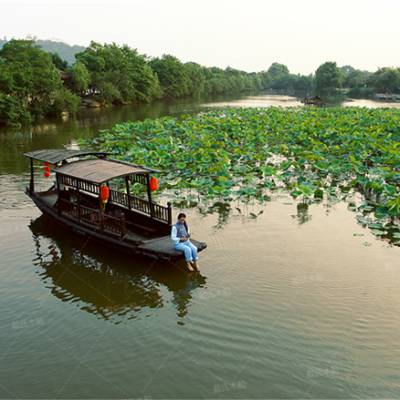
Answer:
(115, 287)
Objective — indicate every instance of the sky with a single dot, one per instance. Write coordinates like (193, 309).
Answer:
(244, 34)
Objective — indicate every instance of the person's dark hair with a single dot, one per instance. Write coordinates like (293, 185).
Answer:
(181, 215)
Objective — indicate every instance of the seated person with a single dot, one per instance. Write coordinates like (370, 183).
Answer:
(180, 236)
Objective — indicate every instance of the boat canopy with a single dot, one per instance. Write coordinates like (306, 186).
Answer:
(54, 156)
(101, 170)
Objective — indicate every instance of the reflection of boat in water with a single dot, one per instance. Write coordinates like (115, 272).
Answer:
(105, 284)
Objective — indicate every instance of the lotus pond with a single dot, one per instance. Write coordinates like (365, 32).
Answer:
(289, 304)
(222, 159)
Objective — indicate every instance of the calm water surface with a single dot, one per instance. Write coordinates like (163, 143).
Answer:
(287, 305)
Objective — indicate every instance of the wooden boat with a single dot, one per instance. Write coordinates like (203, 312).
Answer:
(122, 220)
(313, 101)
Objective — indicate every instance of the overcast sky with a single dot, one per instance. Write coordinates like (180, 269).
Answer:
(245, 34)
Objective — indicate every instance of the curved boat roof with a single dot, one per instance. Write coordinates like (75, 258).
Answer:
(96, 170)
(100, 170)
(54, 156)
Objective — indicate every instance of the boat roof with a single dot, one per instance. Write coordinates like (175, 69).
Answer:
(101, 170)
(54, 156)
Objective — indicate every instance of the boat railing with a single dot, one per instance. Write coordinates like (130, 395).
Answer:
(102, 221)
(152, 209)
(78, 184)
(163, 213)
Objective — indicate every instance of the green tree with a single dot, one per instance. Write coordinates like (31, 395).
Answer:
(118, 74)
(64, 100)
(346, 71)
(279, 76)
(265, 79)
(386, 80)
(354, 78)
(79, 78)
(256, 81)
(60, 64)
(328, 79)
(172, 75)
(302, 84)
(356, 81)
(29, 82)
(195, 79)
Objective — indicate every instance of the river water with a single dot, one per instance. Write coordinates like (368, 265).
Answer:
(288, 305)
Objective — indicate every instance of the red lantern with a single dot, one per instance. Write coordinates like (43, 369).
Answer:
(46, 169)
(153, 184)
(104, 193)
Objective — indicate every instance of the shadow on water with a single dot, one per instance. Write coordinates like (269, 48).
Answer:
(112, 286)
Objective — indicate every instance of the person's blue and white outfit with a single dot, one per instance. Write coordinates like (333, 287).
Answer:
(187, 247)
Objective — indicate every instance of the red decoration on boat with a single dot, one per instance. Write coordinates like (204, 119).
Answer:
(153, 184)
(46, 169)
(104, 193)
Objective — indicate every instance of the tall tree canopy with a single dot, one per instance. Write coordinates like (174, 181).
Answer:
(30, 83)
(328, 79)
(386, 80)
(118, 74)
(79, 78)
(196, 78)
(356, 81)
(172, 75)
(278, 75)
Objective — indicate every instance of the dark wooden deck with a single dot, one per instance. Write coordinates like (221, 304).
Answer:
(165, 246)
(132, 239)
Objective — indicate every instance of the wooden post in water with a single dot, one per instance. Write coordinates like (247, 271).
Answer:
(32, 182)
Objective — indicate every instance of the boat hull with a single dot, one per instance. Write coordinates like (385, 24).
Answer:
(157, 248)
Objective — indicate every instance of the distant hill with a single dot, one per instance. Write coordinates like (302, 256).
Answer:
(64, 50)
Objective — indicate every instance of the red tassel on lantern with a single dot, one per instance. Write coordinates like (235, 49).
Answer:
(153, 184)
(46, 169)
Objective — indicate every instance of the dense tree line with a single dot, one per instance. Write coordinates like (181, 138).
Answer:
(30, 84)
(35, 83)
(330, 80)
